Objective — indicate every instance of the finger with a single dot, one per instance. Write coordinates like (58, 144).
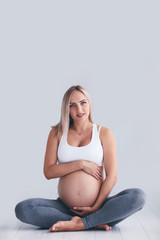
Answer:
(99, 172)
(78, 213)
(79, 208)
(74, 210)
(100, 169)
(95, 175)
(98, 176)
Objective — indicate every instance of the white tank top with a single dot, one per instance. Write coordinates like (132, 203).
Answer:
(91, 152)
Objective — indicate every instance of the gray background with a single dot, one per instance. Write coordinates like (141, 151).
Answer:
(109, 47)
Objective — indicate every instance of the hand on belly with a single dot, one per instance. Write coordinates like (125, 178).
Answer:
(78, 189)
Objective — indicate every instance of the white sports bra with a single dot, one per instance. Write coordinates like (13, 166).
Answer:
(91, 152)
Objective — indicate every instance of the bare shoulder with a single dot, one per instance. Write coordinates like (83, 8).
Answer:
(106, 131)
(106, 135)
(54, 134)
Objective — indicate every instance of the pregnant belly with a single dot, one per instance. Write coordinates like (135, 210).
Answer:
(78, 189)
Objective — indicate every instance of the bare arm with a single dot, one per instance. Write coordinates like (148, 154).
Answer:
(51, 169)
(59, 170)
(110, 164)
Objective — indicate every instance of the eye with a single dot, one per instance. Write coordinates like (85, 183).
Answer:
(72, 105)
(83, 102)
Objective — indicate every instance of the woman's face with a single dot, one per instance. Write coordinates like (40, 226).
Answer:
(79, 108)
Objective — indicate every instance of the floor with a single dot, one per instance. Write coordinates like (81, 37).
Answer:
(143, 225)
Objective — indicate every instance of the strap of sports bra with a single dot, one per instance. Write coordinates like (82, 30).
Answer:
(99, 129)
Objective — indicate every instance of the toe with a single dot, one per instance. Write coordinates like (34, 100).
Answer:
(108, 227)
(52, 228)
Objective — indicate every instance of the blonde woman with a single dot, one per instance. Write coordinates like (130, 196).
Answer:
(77, 151)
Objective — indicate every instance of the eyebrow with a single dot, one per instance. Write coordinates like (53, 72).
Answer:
(79, 101)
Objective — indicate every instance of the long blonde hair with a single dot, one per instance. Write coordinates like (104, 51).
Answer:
(65, 120)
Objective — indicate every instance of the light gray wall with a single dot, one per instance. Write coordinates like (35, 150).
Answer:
(109, 47)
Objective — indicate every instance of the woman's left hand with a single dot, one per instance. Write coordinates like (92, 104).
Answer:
(82, 211)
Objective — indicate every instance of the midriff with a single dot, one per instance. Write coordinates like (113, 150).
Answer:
(79, 189)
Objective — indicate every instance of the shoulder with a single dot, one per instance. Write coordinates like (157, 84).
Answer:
(106, 135)
(54, 133)
(105, 131)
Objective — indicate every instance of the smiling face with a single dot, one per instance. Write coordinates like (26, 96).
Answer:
(79, 108)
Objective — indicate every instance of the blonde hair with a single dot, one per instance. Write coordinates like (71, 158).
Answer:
(65, 120)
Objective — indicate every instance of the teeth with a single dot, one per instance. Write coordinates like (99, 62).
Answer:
(80, 115)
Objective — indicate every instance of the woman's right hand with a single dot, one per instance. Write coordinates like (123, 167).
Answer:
(93, 169)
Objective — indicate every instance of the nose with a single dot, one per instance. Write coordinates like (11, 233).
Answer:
(79, 108)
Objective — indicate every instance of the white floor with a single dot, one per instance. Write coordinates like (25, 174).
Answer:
(143, 225)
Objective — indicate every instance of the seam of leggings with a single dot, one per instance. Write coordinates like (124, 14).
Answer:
(86, 225)
(86, 222)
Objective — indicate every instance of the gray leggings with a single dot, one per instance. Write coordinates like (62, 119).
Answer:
(45, 212)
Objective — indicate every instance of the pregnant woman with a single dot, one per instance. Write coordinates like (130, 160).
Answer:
(77, 151)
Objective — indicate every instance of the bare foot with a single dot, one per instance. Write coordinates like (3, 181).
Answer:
(73, 225)
(103, 226)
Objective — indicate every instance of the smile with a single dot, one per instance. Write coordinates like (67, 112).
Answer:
(80, 115)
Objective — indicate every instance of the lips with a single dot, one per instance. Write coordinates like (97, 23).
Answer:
(80, 115)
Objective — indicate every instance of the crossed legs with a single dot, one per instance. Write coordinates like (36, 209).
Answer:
(46, 213)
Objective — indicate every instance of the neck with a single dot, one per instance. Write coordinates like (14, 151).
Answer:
(81, 127)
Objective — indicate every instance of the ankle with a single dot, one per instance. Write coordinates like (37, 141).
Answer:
(80, 223)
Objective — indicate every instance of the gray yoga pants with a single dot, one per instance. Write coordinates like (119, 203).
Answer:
(45, 212)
